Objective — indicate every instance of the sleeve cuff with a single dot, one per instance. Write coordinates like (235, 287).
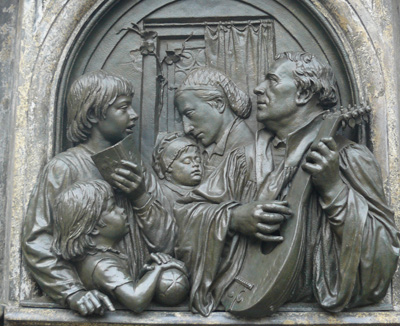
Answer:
(71, 291)
(334, 208)
(146, 206)
(231, 233)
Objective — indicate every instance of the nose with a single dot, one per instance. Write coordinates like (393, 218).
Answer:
(132, 114)
(123, 214)
(195, 164)
(260, 89)
(187, 127)
(120, 210)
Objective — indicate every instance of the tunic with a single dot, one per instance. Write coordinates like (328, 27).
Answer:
(237, 134)
(174, 192)
(152, 227)
(104, 271)
(352, 244)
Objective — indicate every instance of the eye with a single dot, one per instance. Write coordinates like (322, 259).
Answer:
(197, 159)
(272, 79)
(186, 161)
(189, 113)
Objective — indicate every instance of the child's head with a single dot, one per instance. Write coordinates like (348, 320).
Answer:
(80, 213)
(176, 158)
(89, 97)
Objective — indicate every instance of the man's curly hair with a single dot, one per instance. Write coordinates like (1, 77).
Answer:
(310, 74)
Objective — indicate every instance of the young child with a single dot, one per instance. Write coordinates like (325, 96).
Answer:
(89, 225)
(176, 161)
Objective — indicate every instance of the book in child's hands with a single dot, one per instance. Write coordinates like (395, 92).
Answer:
(110, 158)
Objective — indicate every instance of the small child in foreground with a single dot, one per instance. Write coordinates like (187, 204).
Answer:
(88, 228)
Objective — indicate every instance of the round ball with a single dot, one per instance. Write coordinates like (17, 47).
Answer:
(172, 287)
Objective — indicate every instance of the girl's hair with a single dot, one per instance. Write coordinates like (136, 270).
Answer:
(77, 212)
(90, 96)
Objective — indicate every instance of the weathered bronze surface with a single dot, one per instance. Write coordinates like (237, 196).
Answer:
(71, 218)
(231, 228)
(197, 161)
(329, 246)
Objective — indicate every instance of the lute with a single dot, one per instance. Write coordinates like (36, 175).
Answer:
(269, 271)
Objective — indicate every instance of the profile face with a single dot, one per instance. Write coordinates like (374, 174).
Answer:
(116, 221)
(276, 95)
(186, 170)
(200, 118)
(119, 121)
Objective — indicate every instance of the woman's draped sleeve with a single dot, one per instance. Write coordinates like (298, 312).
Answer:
(211, 252)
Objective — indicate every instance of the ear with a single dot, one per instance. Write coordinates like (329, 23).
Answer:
(95, 231)
(167, 175)
(218, 104)
(304, 96)
(92, 117)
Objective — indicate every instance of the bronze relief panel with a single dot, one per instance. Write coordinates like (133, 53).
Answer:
(248, 185)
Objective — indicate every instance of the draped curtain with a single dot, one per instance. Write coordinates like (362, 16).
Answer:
(242, 53)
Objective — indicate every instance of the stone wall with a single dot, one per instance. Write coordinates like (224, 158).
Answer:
(8, 59)
(396, 34)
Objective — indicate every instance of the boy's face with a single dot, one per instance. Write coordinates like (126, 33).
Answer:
(119, 121)
(116, 221)
(186, 170)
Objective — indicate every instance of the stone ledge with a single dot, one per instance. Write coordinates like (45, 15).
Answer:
(36, 316)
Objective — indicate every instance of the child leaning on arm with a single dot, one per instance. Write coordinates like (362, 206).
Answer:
(88, 228)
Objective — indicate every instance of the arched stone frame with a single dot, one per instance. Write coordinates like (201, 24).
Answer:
(46, 43)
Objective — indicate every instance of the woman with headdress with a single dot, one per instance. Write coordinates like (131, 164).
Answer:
(177, 162)
(213, 110)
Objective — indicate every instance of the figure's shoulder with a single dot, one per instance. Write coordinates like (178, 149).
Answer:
(105, 260)
(356, 157)
(349, 147)
(65, 160)
(239, 135)
(102, 263)
(343, 142)
(244, 132)
(110, 271)
(86, 266)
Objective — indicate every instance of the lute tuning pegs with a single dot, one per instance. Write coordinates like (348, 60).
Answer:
(354, 115)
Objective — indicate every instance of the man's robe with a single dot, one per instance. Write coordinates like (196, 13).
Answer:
(152, 228)
(352, 244)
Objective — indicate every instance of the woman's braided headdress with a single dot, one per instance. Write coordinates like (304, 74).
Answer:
(205, 78)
